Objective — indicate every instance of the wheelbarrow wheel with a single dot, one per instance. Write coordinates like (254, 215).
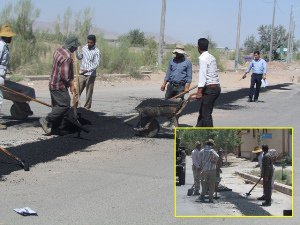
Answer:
(20, 110)
(153, 127)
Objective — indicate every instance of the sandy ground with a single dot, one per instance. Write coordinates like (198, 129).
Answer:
(113, 177)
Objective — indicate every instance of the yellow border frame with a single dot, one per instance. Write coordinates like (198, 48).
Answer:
(236, 128)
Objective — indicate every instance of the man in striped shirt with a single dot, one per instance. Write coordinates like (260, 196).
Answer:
(208, 84)
(208, 159)
(60, 80)
(90, 56)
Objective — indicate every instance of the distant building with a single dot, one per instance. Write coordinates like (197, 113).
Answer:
(279, 139)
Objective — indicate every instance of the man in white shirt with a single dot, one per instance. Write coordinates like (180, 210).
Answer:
(195, 167)
(90, 56)
(6, 35)
(208, 85)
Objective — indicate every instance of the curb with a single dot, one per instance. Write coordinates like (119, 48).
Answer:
(285, 189)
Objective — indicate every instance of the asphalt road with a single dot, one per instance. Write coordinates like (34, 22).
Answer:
(111, 176)
(230, 203)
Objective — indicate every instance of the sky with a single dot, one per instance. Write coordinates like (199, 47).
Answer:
(186, 21)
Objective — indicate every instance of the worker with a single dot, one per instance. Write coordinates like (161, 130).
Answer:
(266, 174)
(6, 35)
(179, 74)
(178, 78)
(195, 167)
(208, 85)
(90, 57)
(208, 159)
(61, 79)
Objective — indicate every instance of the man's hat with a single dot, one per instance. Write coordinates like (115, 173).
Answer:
(179, 49)
(197, 143)
(6, 31)
(257, 150)
(72, 41)
(211, 141)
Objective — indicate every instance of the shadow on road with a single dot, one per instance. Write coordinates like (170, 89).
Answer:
(243, 204)
(226, 100)
(103, 128)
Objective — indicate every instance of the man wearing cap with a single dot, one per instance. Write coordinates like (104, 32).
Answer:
(60, 80)
(195, 167)
(6, 35)
(90, 56)
(208, 159)
(208, 85)
(179, 74)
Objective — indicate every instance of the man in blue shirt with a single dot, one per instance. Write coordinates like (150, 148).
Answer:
(179, 74)
(259, 71)
(6, 35)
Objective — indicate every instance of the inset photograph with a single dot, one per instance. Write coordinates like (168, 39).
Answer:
(233, 172)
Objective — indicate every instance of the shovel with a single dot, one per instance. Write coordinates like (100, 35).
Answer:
(191, 191)
(249, 193)
(23, 164)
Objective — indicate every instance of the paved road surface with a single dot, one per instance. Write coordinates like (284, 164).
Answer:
(114, 177)
(230, 203)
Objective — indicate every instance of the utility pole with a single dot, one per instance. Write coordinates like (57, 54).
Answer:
(162, 33)
(289, 38)
(272, 31)
(292, 40)
(237, 47)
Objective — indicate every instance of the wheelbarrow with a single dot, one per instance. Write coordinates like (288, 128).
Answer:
(20, 95)
(150, 110)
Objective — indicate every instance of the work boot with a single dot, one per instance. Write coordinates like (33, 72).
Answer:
(250, 100)
(200, 199)
(196, 192)
(45, 125)
(3, 126)
(266, 203)
(261, 198)
(211, 200)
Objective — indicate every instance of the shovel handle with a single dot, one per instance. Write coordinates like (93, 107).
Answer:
(25, 96)
(184, 92)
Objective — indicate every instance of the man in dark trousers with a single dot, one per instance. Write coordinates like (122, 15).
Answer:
(61, 79)
(179, 74)
(266, 174)
(259, 69)
(208, 85)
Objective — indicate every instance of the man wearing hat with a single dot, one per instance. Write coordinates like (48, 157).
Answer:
(60, 80)
(208, 84)
(208, 159)
(179, 74)
(195, 167)
(90, 57)
(6, 35)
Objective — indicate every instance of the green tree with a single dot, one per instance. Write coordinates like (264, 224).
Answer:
(21, 17)
(226, 139)
(280, 37)
(135, 37)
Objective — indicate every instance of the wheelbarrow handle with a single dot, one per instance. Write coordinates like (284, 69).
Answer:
(184, 92)
(25, 96)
